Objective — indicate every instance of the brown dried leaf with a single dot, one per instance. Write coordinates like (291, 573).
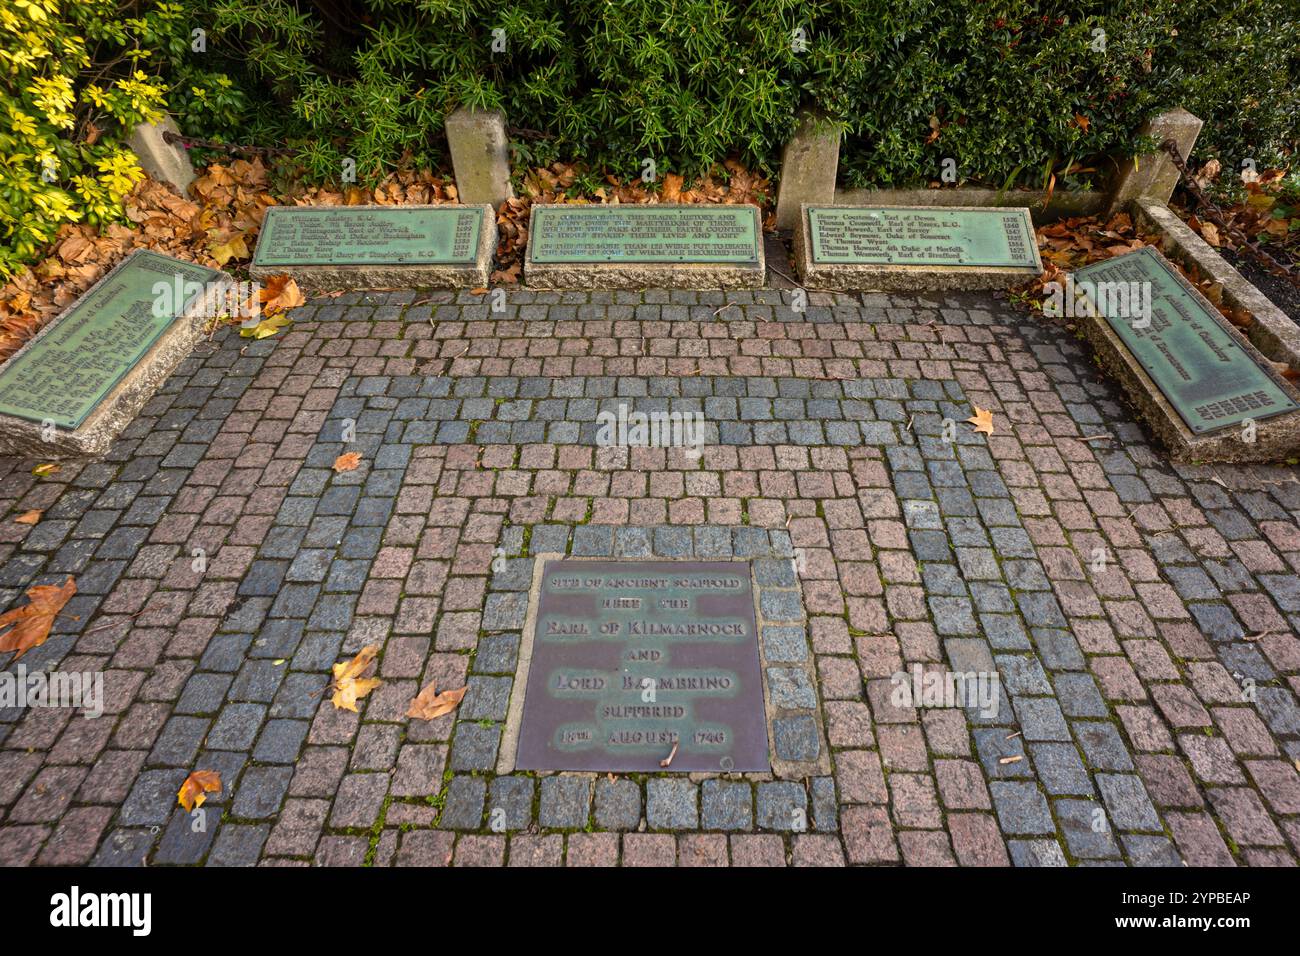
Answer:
(196, 788)
(348, 684)
(279, 293)
(429, 704)
(32, 622)
(672, 188)
(982, 420)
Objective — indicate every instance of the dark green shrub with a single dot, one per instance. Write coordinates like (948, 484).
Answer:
(1011, 90)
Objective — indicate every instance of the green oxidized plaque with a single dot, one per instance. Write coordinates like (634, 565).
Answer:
(69, 369)
(1199, 366)
(368, 235)
(644, 234)
(990, 238)
(636, 662)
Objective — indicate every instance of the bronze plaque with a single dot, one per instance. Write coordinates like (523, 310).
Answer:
(645, 234)
(1196, 362)
(369, 235)
(888, 235)
(632, 659)
(66, 372)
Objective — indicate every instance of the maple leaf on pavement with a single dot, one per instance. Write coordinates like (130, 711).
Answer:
(348, 684)
(347, 462)
(429, 704)
(982, 420)
(280, 293)
(197, 786)
(32, 622)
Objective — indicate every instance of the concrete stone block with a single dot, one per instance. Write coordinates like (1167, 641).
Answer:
(480, 156)
(1154, 175)
(166, 162)
(809, 164)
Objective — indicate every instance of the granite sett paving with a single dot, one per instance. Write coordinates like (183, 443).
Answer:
(1121, 631)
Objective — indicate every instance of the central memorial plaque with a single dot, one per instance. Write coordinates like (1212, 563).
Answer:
(914, 248)
(641, 245)
(631, 659)
(375, 246)
(644, 234)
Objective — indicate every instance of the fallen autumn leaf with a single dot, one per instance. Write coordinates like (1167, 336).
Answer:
(196, 788)
(32, 622)
(982, 420)
(429, 704)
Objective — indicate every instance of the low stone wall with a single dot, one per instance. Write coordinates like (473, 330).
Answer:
(808, 170)
(1272, 331)
(1060, 206)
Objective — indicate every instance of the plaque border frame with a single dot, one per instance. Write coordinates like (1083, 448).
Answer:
(781, 767)
(1277, 436)
(625, 274)
(907, 278)
(131, 391)
(1240, 341)
(542, 210)
(509, 752)
(471, 274)
(274, 212)
(1028, 236)
(67, 314)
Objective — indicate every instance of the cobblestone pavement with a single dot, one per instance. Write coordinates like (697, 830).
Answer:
(1142, 617)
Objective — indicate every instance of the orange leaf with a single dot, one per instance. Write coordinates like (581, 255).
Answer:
(982, 420)
(429, 704)
(1082, 121)
(32, 622)
(347, 462)
(280, 293)
(30, 517)
(197, 786)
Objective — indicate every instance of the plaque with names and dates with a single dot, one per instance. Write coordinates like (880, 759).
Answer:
(923, 237)
(644, 234)
(65, 373)
(633, 660)
(914, 248)
(1201, 367)
(368, 235)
